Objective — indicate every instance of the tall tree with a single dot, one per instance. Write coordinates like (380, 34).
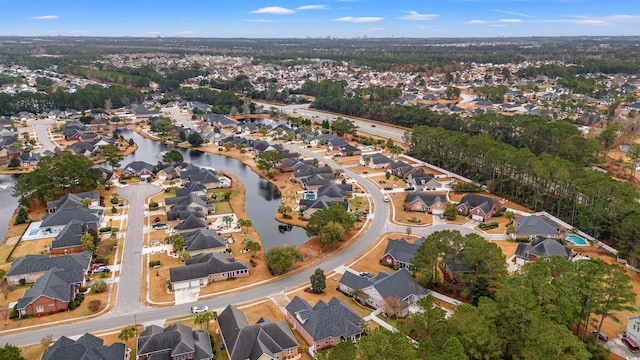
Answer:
(113, 155)
(177, 243)
(336, 213)
(172, 156)
(318, 281)
(281, 258)
(268, 160)
(331, 234)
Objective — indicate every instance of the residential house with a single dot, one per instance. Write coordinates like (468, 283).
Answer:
(69, 239)
(50, 293)
(201, 269)
(533, 226)
(203, 240)
(54, 223)
(398, 284)
(289, 164)
(633, 329)
(401, 169)
(28, 158)
(317, 181)
(434, 204)
(175, 342)
(194, 220)
(87, 347)
(481, 208)
(174, 205)
(196, 189)
(423, 181)
(375, 161)
(326, 324)
(541, 247)
(140, 169)
(206, 177)
(261, 341)
(308, 170)
(74, 201)
(142, 112)
(219, 121)
(29, 268)
(309, 207)
(349, 150)
(400, 252)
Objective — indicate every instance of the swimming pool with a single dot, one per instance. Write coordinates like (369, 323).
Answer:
(34, 232)
(577, 240)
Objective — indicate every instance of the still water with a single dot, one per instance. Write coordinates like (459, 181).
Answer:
(261, 205)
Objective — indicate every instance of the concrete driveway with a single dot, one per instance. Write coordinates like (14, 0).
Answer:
(184, 296)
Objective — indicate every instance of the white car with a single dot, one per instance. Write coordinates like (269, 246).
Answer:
(199, 308)
(385, 198)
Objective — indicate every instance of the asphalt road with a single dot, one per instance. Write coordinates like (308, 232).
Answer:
(128, 304)
(175, 113)
(41, 127)
(384, 131)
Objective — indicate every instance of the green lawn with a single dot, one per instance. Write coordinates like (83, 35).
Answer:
(223, 207)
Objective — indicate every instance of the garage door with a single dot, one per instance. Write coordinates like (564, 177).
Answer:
(437, 211)
(195, 283)
(477, 217)
(182, 285)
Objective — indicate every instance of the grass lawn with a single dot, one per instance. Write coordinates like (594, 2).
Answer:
(359, 203)
(223, 207)
(408, 217)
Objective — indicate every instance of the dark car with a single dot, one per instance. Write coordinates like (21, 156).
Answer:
(122, 182)
(388, 188)
(373, 125)
(602, 336)
(409, 188)
(159, 226)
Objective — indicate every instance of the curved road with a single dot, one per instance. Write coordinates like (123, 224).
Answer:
(128, 302)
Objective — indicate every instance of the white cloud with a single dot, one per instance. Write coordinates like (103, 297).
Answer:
(623, 17)
(45, 17)
(478, 22)
(510, 20)
(593, 22)
(363, 19)
(414, 15)
(511, 13)
(273, 10)
(311, 7)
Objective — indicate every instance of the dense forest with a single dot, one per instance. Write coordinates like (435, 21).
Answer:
(554, 179)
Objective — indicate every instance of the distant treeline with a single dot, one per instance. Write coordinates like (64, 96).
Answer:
(99, 97)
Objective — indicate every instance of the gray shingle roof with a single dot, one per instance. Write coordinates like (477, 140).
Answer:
(399, 283)
(70, 235)
(191, 222)
(246, 341)
(535, 225)
(542, 247)
(474, 200)
(202, 239)
(202, 265)
(324, 320)
(428, 199)
(55, 284)
(174, 340)
(90, 217)
(401, 250)
(29, 264)
(87, 347)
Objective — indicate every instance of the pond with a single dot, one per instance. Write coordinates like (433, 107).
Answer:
(263, 198)
(8, 203)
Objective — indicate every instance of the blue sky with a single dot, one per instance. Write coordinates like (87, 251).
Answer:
(335, 18)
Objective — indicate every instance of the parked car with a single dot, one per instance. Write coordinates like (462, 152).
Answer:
(631, 345)
(388, 188)
(159, 226)
(385, 198)
(96, 265)
(601, 335)
(199, 308)
(409, 188)
(101, 269)
(122, 182)
(373, 125)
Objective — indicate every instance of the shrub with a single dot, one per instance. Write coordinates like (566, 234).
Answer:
(487, 226)
(153, 205)
(80, 297)
(14, 314)
(114, 200)
(99, 286)
(72, 305)
(94, 305)
(154, 263)
(105, 229)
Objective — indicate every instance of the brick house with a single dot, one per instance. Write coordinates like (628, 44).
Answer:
(175, 342)
(481, 208)
(51, 293)
(400, 252)
(434, 204)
